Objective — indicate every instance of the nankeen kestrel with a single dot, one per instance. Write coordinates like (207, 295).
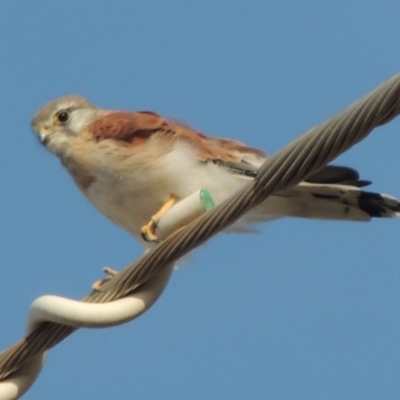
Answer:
(133, 166)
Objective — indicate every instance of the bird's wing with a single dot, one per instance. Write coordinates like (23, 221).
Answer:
(138, 128)
(333, 174)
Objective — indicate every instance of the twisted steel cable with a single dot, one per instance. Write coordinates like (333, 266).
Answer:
(289, 166)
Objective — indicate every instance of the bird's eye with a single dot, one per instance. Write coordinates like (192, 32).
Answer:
(62, 116)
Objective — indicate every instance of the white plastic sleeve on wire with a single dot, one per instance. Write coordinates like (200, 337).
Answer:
(20, 381)
(80, 314)
(184, 212)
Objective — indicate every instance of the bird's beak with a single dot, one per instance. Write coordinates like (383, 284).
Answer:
(44, 135)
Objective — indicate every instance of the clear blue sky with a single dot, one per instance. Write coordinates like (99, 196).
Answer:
(304, 310)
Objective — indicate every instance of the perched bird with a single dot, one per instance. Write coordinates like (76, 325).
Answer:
(134, 166)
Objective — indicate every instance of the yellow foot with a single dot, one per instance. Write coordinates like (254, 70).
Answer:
(111, 273)
(148, 230)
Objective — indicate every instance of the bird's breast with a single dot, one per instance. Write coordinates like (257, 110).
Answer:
(130, 189)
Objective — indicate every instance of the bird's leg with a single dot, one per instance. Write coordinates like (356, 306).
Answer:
(110, 272)
(148, 230)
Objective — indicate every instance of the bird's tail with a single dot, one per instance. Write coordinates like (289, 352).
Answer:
(333, 193)
(327, 201)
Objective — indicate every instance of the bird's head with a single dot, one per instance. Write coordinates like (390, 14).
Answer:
(62, 119)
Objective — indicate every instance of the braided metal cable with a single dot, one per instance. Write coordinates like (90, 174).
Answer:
(291, 165)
